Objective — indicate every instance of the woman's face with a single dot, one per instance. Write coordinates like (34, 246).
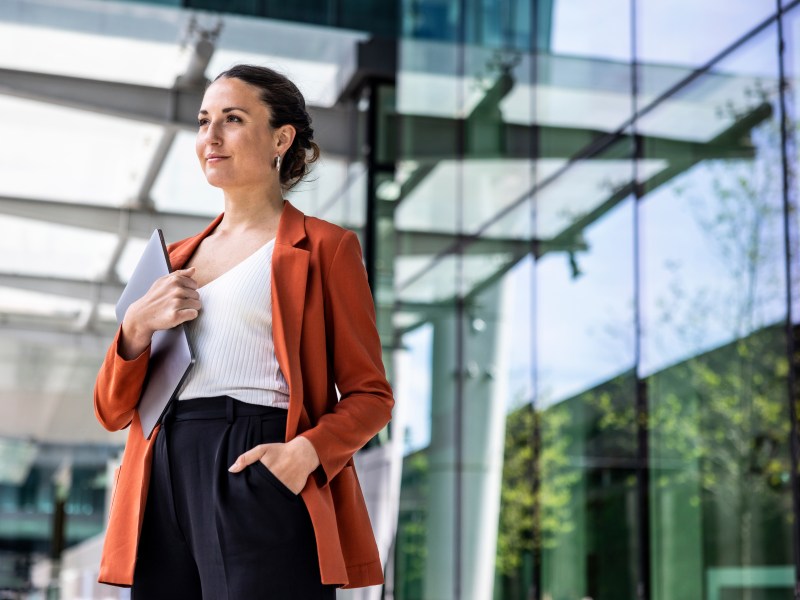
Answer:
(235, 144)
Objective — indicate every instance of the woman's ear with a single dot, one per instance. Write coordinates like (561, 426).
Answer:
(284, 136)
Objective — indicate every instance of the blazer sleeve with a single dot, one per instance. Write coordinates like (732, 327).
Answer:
(366, 399)
(118, 386)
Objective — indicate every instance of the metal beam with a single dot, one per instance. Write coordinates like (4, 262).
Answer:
(431, 139)
(118, 99)
(78, 289)
(428, 243)
(90, 342)
(177, 226)
(425, 137)
(168, 107)
(141, 223)
(737, 136)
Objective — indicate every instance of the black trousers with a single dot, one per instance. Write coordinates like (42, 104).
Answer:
(209, 534)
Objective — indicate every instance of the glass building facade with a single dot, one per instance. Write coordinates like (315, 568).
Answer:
(580, 221)
(596, 351)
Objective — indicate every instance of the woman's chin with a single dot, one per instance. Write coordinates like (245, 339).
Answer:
(217, 181)
(222, 181)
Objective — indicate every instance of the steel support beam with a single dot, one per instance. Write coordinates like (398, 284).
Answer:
(177, 226)
(169, 107)
(141, 223)
(78, 289)
(92, 343)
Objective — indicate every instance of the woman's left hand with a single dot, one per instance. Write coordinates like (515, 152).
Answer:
(291, 462)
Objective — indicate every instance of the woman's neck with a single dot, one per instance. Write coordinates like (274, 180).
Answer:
(252, 211)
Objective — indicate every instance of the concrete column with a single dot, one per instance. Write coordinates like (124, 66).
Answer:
(483, 418)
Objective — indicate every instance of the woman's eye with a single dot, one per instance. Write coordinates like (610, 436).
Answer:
(202, 122)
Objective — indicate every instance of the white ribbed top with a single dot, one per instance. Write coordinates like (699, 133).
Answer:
(232, 337)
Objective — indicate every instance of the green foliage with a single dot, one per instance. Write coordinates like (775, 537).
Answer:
(411, 551)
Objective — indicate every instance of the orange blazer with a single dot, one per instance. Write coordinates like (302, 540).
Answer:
(325, 333)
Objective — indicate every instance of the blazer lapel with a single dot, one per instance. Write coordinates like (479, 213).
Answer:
(180, 255)
(288, 281)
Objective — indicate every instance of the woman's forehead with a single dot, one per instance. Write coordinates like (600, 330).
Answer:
(229, 92)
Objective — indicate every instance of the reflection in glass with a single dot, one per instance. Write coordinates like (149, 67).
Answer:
(791, 33)
(663, 63)
(714, 342)
(585, 402)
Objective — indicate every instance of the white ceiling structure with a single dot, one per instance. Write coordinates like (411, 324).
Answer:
(99, 99)
(99, 102)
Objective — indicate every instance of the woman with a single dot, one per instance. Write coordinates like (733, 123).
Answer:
(247, 489)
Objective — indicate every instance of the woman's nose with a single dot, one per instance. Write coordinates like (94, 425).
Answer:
(213, 134)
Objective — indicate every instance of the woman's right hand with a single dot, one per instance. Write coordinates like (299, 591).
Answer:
(171, 300)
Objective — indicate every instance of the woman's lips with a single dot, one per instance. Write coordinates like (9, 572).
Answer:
(215, 159)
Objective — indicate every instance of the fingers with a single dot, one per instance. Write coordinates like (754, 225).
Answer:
(189, 293)
(187, 314)
(189, 303)
(186, 308)
(183, 277)
(248, 458)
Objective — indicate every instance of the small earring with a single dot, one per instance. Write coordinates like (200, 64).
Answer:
(278, 162)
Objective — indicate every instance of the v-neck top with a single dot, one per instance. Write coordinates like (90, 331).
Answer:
(232, 337)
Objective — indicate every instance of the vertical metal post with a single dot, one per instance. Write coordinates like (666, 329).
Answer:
(789, 329)
(371, 163)
(535, 591)
(644, 559)
(460, 143)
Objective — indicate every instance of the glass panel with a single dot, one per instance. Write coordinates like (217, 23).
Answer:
(663, 62)
(118, 42)
(27, 502)
(715, 195)
(425, 276)
(585, 402)
(489, 185)
(49, 378)
(791, 31)
(319, 66)
(424, 552)
(512, 375)
(496, 511)
(714, 343)
(600, 29)
(414, 365)
(336, 191)
(66, 154)
(20, 302)
(710, 107)
(34, 247)
(496, 279)
(585, 308)
(583, 78)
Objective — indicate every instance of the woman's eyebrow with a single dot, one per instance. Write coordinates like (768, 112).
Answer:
(226, 110)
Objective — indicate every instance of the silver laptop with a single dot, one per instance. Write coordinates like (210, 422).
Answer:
(171, 355)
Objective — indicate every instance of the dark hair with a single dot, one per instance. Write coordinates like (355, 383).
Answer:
(287, 107)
